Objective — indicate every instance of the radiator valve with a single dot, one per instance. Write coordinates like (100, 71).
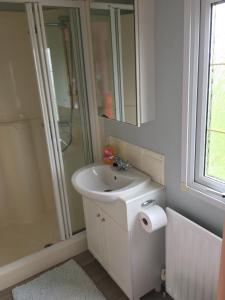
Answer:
(163, 278)
(163, 275)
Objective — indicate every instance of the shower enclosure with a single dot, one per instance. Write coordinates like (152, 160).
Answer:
(44, 124)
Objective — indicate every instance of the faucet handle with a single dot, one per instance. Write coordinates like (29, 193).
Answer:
(128, 165)
(119, 163)
(117, 158)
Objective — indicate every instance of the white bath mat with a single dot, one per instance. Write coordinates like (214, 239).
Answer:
(66, 282)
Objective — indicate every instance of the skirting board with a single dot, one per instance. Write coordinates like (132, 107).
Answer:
(33, 264)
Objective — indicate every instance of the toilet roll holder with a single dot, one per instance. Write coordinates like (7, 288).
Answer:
(148, 202)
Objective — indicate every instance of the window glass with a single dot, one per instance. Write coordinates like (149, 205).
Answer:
(215, 129)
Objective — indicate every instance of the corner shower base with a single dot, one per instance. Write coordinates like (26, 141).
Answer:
(20, 240)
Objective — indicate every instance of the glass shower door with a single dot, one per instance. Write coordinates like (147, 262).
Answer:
(28, 219)
(64, 51)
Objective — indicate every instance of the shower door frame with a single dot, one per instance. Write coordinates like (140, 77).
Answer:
(34, 14)
(39, 19)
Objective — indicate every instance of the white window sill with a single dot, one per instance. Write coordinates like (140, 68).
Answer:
(202, 192)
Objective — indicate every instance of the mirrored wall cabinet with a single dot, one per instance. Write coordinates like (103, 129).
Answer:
(123, 52)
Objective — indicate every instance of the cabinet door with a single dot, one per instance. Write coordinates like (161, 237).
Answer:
(117, 241)
(92, 219)
(95, 221)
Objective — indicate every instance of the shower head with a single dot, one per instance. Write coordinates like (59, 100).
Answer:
(62, 22)
(64, 19)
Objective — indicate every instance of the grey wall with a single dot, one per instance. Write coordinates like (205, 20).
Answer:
(164, 134)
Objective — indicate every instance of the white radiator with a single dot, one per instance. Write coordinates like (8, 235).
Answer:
(192, 259)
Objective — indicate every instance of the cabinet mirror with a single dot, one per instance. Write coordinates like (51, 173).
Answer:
(114, 53)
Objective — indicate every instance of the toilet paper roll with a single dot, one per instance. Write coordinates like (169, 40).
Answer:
(152, 218)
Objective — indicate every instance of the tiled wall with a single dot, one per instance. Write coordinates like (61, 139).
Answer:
(143, 159)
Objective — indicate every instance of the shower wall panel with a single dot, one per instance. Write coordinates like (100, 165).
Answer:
(25, 180)
(18, 90)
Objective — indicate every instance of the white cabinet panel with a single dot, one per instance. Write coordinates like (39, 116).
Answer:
(103, 241)
(93, 218)
(109, 243)
(145, 58)
(118, 254)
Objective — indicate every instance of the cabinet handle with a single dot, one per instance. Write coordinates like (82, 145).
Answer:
(103, 219)
(148, 202)
(98, 215)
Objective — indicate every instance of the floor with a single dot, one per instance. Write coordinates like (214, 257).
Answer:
(27, 238)
(100, 277)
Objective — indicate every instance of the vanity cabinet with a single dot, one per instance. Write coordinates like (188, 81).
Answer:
(132, 257)
(109, 243)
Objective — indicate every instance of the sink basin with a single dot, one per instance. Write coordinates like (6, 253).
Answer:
(105, 183)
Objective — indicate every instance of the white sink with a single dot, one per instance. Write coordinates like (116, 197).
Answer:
(104, 183)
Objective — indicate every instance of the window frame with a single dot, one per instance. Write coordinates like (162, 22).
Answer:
(197, 29)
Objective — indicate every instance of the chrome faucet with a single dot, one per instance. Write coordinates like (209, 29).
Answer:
(119, 163)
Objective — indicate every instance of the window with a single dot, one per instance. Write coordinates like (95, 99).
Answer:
(215, 126)
(203, 158)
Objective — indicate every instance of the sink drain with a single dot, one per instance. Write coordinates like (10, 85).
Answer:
(108, 190)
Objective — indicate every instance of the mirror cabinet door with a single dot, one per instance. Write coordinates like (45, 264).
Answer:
(113, 39)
